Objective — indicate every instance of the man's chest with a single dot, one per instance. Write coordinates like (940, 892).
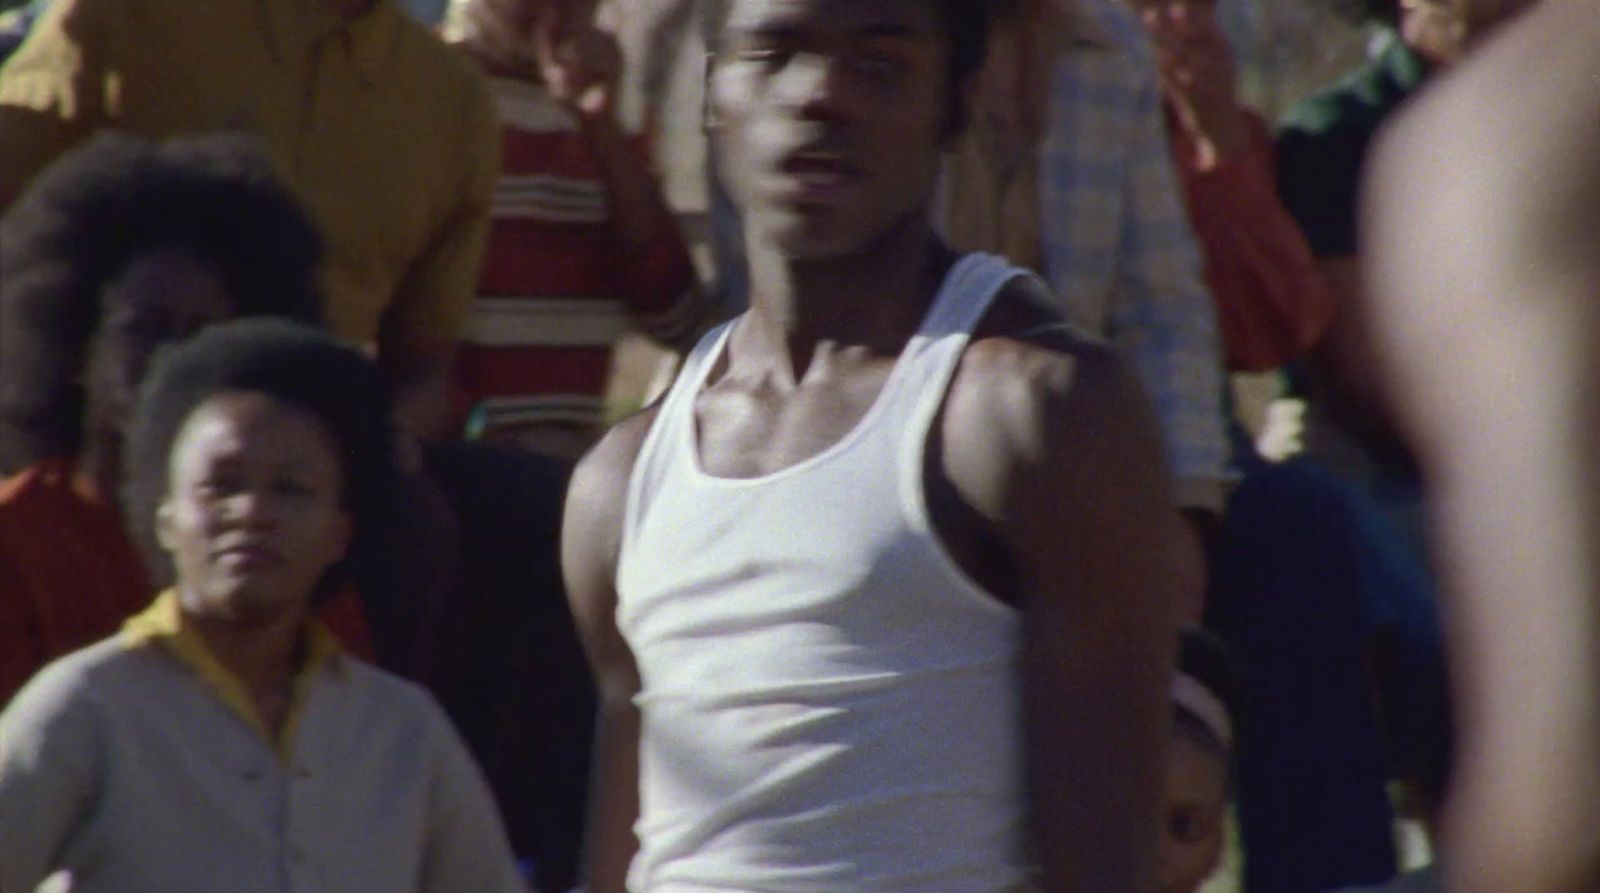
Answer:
(748, 431)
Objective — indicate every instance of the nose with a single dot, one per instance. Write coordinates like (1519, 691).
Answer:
(814, 85)
(250, 508)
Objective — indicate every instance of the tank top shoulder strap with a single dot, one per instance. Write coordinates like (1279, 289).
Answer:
(661, 447)
(966, 295)
(696, 366)
(969, 291)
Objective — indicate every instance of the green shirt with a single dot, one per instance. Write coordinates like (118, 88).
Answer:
(1323, 140)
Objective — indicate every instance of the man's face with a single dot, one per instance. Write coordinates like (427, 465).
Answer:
(158, 299)
(829, 117)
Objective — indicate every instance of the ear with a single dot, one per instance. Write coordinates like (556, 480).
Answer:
(164, 523)
(708, 107)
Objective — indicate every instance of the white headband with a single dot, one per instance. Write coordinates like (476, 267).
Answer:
(1188, 693)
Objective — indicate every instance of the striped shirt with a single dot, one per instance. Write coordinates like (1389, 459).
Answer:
(556, 289)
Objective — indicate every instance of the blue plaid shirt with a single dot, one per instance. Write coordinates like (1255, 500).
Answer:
(1116, 242)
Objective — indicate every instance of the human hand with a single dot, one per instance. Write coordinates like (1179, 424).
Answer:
(1198, 75)
(579, 63)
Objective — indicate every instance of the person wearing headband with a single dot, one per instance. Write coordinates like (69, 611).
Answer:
(1199, 765)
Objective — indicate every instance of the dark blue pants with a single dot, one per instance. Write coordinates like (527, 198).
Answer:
(1330, 611)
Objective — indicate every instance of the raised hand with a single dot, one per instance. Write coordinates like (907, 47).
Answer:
(1198, 75)
(579, 63)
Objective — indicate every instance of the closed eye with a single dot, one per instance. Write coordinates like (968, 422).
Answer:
(880, 67)
(216, 487)
(769, 47)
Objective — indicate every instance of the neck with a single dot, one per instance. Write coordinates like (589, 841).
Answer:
(874, 297)
(265, 656)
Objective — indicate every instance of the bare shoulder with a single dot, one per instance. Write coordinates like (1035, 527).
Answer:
(1027, 374)
(1048, 436)
(591, 546)
(1502, 269)
(597, 495)
(1516, 117)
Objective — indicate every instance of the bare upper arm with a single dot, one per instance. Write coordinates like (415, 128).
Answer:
(1481, 211)
(1043, 423)
(1050, 437)
(591, 543)
(1064, 455)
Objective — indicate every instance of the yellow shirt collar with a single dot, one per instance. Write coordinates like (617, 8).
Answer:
(163, 624)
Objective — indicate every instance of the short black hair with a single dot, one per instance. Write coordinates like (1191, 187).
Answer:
(104, 206)
(966, 23)
(297, 365)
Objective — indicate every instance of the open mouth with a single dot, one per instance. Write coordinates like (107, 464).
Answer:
(248, 556)
(819, 174)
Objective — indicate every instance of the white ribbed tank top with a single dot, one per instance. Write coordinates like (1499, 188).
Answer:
(829, 703)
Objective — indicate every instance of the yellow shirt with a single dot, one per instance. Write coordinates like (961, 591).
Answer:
(119, 764)
(388, 135)
(162, 624)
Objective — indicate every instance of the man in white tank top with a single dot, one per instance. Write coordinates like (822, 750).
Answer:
(875, 596)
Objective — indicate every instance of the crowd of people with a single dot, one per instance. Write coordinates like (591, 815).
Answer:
(944, 563)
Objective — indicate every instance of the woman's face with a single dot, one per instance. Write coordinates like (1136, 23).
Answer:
(254, 515)
(158, 299)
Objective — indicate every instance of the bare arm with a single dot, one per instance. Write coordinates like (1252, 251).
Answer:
(580, 64)
(1073, 473)
(590, 543)
(1482, 211)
